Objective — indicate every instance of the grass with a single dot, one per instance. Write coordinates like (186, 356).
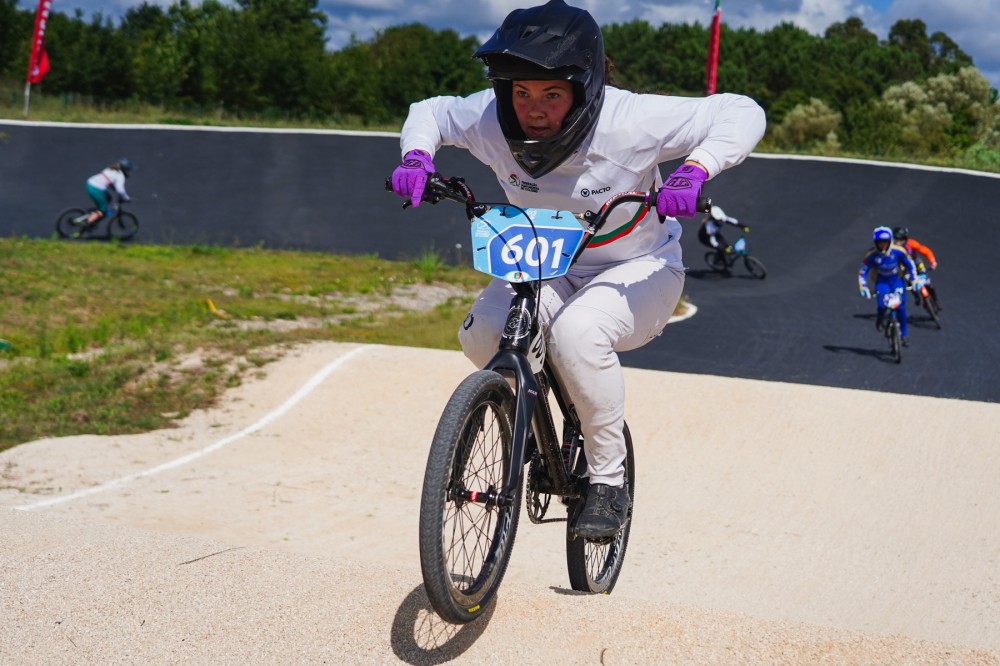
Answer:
(79, 109)
(110, 338)
(113, 338)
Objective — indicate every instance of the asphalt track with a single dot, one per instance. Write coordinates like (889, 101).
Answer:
(811, 222)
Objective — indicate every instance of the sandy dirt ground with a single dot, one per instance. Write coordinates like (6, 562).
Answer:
(774, 524)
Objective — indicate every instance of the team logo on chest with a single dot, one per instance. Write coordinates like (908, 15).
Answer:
(525, 185)
(585, 192)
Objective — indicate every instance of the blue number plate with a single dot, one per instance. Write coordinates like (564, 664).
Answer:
(507, 246)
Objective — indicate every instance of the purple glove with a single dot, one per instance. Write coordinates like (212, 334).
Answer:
(410, 177)
(679, 195)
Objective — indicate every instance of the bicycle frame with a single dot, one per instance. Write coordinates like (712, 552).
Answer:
(532, 413)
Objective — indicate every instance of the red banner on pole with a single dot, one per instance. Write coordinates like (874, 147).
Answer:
(38, 63)
(712, 65)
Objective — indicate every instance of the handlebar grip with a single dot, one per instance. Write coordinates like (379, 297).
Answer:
(388, 188)
(704, 204)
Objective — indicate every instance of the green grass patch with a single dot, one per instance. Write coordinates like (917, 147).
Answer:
(110, 338)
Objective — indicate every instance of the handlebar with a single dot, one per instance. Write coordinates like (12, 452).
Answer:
(454, 189)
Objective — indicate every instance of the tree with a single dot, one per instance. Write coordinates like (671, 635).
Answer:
(809, 125)
(92, 57)
(159, 65)
(852, 31)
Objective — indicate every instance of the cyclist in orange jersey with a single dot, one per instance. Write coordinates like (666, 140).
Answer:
(918, 252)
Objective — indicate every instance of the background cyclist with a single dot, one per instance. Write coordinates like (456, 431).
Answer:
(918, 252)
(101, 185)
(888, 260)
(710, 231)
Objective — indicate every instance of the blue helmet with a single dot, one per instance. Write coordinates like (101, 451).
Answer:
(882, 234)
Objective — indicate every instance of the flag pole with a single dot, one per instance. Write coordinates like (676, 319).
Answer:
(712, 63)
(38, 60)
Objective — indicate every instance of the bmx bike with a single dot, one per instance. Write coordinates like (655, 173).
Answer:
(499, 422)
(118, 223)
(891, 326)
(926, 296)
(721, 261)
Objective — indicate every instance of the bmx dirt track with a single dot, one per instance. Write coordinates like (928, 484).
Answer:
(281, 527)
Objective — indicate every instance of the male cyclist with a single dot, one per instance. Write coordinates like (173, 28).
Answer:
(917, 252)
(888, 260)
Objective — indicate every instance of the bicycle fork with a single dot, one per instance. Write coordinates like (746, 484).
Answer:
(522, 347)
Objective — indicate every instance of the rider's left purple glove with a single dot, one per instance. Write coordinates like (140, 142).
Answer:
(679, 195)
(410, 177)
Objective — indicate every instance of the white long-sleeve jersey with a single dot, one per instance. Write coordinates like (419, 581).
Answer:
(109, 178)
(634, 134)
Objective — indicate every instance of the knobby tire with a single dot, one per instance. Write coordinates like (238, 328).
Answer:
(896, 341)
(66, 227)
(931, 308)
(716, 262)
(465, 545)
(594, 565)
(124, 226)
(755, 266)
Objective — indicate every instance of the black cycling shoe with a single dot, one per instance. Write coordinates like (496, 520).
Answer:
(879, 323)
(906, 342)
(604, 512)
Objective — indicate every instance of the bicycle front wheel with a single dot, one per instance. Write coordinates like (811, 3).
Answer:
(755, 266)
(896, 341)
(124, 226)
(71, 223)
(931, 310)
(594, 564)
(467, 527)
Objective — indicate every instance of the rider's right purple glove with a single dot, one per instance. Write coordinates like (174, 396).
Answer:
(410, 177)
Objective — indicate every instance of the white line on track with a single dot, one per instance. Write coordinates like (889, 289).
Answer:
(297, 397)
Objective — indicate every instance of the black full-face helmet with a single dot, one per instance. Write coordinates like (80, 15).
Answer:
(900, 234)
(550, 42)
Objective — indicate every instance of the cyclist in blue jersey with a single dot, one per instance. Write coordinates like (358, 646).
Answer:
(887, 259)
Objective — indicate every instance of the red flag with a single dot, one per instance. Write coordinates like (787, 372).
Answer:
(38, 63)
(713, 50)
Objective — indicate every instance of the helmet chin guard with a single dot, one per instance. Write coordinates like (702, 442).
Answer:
(550, 42)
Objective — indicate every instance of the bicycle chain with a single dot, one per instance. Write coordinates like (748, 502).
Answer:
(540, 519)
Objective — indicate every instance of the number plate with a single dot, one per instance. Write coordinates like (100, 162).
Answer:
(507, 246)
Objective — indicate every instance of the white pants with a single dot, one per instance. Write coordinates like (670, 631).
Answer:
(587, 321)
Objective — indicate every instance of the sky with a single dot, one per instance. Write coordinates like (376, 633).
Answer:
(970, 23)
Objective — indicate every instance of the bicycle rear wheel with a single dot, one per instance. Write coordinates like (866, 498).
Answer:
(466, 528)
(755, 266)
(68, 224)
(594, 564)
(716, 262)
(124, 226)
